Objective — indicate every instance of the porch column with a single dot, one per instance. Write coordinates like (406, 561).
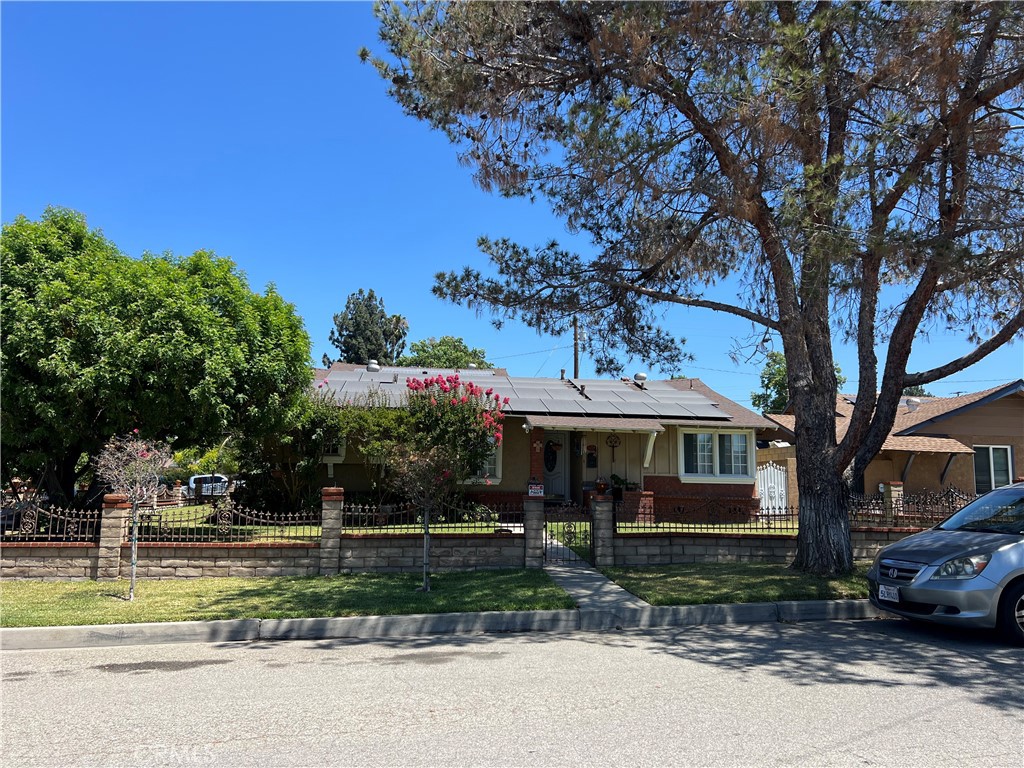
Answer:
(116, 510)
(533, 528)
(604, 531)
(332, 503)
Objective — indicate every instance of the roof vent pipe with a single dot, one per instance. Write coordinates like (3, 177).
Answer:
(373, 366)
(562, 376)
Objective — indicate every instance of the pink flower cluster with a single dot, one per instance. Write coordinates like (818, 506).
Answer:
(460, 392)
(446, 384)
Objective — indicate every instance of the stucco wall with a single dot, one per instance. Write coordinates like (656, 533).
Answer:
(998, 423)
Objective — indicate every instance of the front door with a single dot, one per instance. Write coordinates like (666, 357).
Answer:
(556, 464)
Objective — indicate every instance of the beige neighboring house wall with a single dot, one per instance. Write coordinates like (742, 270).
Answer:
(933, 441)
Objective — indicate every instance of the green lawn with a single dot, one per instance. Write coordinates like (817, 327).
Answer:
(702, 583)
(60, 603)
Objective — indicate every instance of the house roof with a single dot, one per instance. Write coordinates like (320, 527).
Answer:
(913, 418)
(622, 404)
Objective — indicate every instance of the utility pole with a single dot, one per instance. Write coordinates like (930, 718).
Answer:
(575, 347)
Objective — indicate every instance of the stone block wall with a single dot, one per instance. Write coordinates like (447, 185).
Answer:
(48, 560)
(189, 561)
(404, 552)
(637, 550)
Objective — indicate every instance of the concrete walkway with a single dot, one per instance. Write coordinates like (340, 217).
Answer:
(590, 589)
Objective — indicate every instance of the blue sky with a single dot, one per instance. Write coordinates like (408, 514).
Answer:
(253, 130)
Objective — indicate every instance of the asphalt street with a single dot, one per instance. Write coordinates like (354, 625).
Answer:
(843, 693)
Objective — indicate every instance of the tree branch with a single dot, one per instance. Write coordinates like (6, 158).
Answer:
(1008, 331)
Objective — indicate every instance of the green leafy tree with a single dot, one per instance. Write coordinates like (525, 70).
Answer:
(774, 394)
(374, 428)
(282, 468)
(812, 152)
(916, 391)
(446, 352)
(364, 331)
(220, 459)
(95, 343)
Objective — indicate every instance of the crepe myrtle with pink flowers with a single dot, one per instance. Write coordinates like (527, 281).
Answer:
(456, 426)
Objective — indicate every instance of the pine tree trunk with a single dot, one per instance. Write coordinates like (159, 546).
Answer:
(823, 541)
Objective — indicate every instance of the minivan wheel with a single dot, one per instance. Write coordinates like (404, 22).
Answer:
(1011, 613)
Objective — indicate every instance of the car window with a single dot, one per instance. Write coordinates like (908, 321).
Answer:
(1001, 511)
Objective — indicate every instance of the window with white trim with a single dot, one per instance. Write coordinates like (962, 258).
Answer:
(715, 454)
(991, 467)
(334, 454)
(490, 472)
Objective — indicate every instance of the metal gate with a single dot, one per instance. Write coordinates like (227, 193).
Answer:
(568, 534)
(772, 482)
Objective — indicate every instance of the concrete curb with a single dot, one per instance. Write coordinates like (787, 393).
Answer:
(100, 635)
(369, 627)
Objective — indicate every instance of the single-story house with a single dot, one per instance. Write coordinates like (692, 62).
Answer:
(663, 443)
(974, 442)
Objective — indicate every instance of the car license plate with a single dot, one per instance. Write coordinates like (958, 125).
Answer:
(885, 592)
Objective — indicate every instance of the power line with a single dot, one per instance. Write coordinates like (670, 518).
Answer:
(525, 354)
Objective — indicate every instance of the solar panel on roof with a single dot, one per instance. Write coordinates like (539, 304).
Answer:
(527, 405)
(601, 407)
(563, 406)
(639, 409)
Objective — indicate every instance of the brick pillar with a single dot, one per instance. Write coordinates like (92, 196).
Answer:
(603, 534)
(116, 511)
(537, 455)
(645, 512)
(332, 503)
(533, 528)
(893, 495)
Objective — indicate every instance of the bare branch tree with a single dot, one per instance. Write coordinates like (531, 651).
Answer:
(131, 466)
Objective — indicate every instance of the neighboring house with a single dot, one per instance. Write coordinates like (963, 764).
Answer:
(974, 442)
(669, 442)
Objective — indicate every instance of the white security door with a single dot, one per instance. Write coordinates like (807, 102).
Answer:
(771, 485)
(556, 457)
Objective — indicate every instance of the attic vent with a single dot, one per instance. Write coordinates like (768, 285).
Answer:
(373, 366)
(913, 404)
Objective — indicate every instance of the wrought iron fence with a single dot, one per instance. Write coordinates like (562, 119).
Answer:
(29, 521)
(467, 517)
(568, 533)
(917, 510)
(717, 516)
(226, 522)
(707, 516)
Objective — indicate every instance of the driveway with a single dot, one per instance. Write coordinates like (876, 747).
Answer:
(881, 692)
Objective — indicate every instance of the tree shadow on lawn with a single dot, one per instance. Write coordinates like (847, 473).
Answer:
(387, 595)
(889, 653)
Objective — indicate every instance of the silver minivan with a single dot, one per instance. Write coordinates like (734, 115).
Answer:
(966, 571)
